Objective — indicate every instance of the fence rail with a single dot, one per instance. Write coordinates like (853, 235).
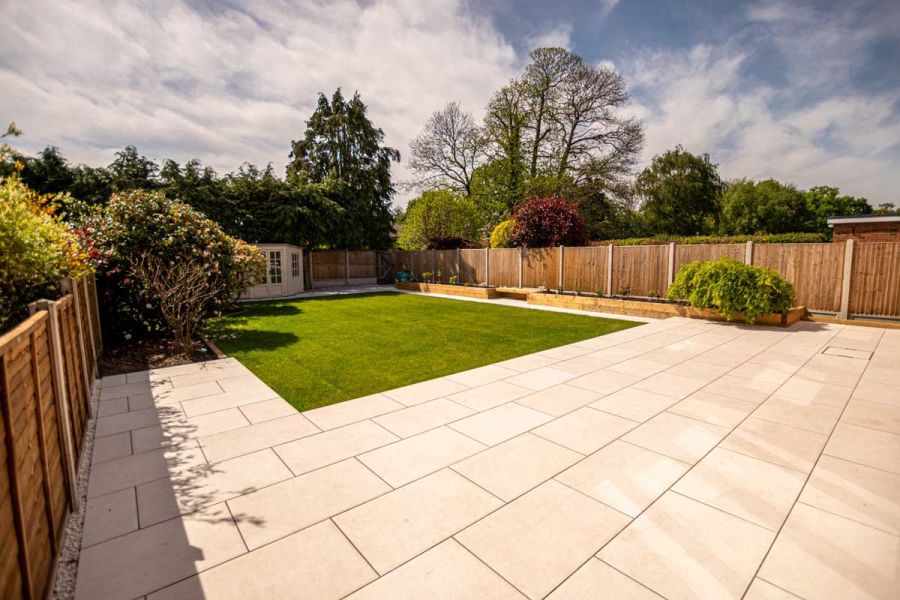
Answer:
(47, 369)
(844, 278)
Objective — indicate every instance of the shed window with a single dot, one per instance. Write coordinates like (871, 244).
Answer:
(274, 266)
(295, 265)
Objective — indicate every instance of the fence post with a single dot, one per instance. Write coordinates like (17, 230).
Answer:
(433, 265)
(458, 268)
(845, 280)
(487, 266)
(347, 267)
(311, 279)
(521, 266)
(562, 253)
(58, 379)
(67, 286)
(82, 293)
(748, 253)
(97, 316)
(609, 270)
(302, 283)
(671, 276)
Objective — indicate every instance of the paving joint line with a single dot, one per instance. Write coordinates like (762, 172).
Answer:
(808, 477)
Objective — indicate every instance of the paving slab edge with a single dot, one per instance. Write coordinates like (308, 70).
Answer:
(65, 571)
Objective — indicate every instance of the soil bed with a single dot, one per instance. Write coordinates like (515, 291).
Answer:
(151, 354)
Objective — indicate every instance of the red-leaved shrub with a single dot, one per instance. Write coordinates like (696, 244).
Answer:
(543, 222)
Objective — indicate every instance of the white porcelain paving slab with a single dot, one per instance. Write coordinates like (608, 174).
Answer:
(539, 539)
(681, 458)
(407, 460)
(445, 572)
(597, 578)
(281, 509)
(399, 526)
(516, 466)
(317, 562)
(683, 549)
(422, 417)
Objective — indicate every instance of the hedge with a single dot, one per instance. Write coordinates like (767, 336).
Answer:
(769, 238)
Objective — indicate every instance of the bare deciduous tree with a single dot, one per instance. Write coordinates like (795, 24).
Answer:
(183, 291)
(448, 151)
(587, 114)
(543, 78)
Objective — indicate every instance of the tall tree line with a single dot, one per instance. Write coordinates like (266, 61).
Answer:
(337, 190)
(557, 129)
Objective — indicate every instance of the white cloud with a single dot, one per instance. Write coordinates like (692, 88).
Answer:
(702, 99)
(607, 6)
(232, 83)
(228, 82)
(824, 43)
(558, 36)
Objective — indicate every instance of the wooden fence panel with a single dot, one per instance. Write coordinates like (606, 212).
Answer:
(815, 270)
(541, 267)
(640, 270)
(328, 264)
(363, 264)
(875, 279)
(504, 267)
(74, 375)
(33, 493)
(445, 265)
(584, 268)
(471, 266)
(416, 261)
(688, 253)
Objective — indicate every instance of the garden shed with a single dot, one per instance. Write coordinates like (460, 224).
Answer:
(284, 273)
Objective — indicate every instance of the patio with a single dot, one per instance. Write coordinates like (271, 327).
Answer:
(682, 459)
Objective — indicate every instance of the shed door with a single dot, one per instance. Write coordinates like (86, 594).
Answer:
(276, 274)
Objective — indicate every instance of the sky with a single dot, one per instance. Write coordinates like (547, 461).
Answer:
(804, 92)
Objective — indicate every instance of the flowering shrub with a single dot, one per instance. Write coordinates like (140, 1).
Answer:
(148, 242)
(500, 237)
(37, 249)
(542, 222)
(732, 287)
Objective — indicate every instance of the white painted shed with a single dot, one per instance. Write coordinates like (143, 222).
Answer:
(284, 272)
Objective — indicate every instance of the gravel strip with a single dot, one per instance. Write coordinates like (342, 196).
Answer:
(67, 563)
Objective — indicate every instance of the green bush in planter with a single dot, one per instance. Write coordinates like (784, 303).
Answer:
(732, 287)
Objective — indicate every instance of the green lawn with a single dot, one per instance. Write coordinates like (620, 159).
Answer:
(319, 351)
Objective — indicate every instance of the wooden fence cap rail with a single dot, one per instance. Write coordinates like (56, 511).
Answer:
(21, 329)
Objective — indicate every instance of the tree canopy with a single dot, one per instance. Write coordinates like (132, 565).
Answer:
(764, 206)
(341, 143)
(337, 192)
(548, 132)
(438, 214)
(680, 193)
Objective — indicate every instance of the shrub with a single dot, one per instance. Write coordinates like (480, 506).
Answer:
(450, 243)
(437, 214)
(543, 222)
(732, 287)
(166, 267)
(762, 238)
(37, 249)
(500, 237)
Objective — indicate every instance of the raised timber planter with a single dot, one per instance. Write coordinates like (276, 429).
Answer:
(656, 310)
(469, 291)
